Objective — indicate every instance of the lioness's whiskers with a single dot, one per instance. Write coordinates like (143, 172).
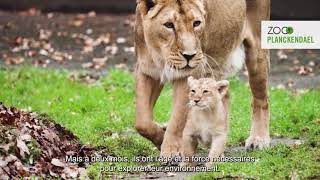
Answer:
(210, 68)
(212, 59)
(204, 71)
(206, 64)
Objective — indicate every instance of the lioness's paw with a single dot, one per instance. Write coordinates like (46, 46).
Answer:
(256, 142)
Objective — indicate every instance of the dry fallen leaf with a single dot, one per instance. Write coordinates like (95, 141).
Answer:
(170, 174)
(87, 49)
(57, 162)
(290, 83)
(30, 12)
(129, 49)
(71, 172)
(32, 53)
(281, 55)
(78, 20)
(14, 60)
(304, 70)
(87, 65)
(121, 40)
(43, 52)
(89, 31)
(311, 53)
(289, 50)
(18, 41)
(113, 49)
(50, 15)
(47, 46)
(58, 56)
(99, 62)
(121, 66)
(92, 14)
(23, 147)
(89, 79)
(44, 34)
(25, 137)
(296, 61)
(280, 86)
(312, 63)
(77, 23)
(105, 38)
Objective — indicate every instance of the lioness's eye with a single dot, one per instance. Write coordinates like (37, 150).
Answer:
(196, 23)
(193, 91)
(169, 25)
(205, 91)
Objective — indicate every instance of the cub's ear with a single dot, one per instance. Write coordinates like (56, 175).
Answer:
(146, 5)
(190, 80)
(223, 87)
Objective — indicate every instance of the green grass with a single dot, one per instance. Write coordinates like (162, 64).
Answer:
(103, 114)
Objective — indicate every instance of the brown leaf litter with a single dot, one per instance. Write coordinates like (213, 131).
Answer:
(33, 145)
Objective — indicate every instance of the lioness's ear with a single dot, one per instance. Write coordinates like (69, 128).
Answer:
(223, 87)
(150, 4)
(190, 80)
(146, 5)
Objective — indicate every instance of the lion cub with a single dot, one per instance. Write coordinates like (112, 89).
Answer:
(207, 121)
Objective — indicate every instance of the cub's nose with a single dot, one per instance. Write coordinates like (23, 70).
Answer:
(187, 56)
(196, 101)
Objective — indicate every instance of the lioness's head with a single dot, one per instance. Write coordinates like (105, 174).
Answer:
(173, 32)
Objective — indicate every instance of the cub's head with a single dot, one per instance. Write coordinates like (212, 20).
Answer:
(173, 32)
(206, 92)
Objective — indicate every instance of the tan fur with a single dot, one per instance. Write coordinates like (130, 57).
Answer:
(225, 26)
(207, 121)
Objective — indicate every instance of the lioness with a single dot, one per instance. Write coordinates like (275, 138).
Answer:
(203, 38)
(207, 120)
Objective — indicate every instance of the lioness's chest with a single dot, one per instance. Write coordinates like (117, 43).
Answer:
(225, 27)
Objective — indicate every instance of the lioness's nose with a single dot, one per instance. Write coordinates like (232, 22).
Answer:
(188, 57)
(196, 101)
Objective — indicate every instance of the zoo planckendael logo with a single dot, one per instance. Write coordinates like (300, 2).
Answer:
(290, 34)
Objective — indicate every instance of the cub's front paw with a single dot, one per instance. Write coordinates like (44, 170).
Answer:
(171, 146)
(186, 164)
(257, 142)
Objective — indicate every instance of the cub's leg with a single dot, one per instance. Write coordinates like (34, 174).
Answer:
(217, 147)
(188, 146)
(147, 93)
(173, 135)
(257, 63)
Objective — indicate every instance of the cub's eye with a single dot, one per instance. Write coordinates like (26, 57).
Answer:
(169, 25)
(205, 91)
(196, 23)
(193, 91)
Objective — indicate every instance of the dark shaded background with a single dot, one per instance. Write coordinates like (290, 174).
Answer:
(281, 9)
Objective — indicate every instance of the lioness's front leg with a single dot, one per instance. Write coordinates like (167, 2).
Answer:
(147, 93)
(257, 62)
(172, 139)
(258, 66)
